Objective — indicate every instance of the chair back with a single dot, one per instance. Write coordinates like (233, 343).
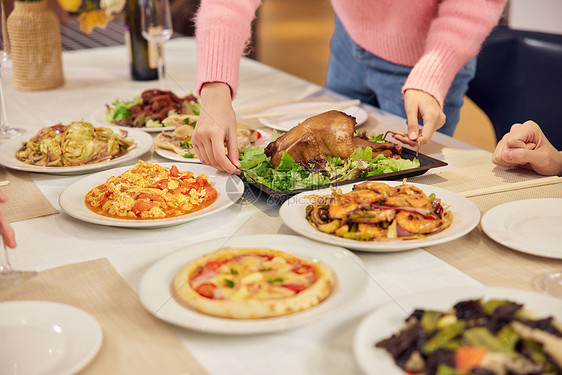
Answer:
(519, 78)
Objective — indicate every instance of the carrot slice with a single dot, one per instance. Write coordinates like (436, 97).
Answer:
(469, 357)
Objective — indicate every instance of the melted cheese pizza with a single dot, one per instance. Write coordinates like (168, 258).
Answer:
(253, 283)
(150, 191)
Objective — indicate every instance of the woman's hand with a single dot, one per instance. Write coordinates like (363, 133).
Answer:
(526, 146)
(419, 104)
(216, 125)
(6, 230)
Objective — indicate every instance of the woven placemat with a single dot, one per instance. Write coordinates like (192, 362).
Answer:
(476, 254)
(134, 341)
(25, 199)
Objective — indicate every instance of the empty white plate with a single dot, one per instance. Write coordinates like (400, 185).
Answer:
(532, 226)
(288, 121)
(40, 337)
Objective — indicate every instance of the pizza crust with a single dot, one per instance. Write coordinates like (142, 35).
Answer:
(252, 308)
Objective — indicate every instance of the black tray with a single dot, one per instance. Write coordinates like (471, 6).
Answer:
(426, 163)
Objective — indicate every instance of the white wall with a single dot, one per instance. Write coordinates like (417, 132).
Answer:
(536, 15)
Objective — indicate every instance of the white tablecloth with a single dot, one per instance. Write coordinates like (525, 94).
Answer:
(99, 76)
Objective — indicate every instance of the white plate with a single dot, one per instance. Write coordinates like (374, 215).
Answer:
(230, 188)
(155, 285)
(8, 151)
(531, 226)
(41, 337)
(466, 217)
(287, 122)
(171, 155)
(98, 117)
(388, 319)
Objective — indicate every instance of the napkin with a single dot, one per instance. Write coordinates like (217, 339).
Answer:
(25, 199)
(134, 342)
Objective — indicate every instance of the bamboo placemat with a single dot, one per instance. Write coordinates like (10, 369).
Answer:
(476, 254)
(134, 342)
(25, 199)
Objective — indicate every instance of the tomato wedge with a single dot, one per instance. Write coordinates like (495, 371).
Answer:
(206, 289)
(174, 171)
(300, 269)
(295, 287)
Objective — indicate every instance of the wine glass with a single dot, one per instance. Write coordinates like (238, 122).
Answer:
(8, 276)
(156, 26)
(5, 130)
(550, 283)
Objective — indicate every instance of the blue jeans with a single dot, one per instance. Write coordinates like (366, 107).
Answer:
(357, 73)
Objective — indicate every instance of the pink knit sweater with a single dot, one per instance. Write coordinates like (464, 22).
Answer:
(435, 37)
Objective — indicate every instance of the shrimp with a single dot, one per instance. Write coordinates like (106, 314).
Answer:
(378, 187)
(373, 216)
(416, 223)
(374, 230)
(351, 201)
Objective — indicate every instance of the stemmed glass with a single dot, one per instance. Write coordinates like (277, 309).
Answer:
(8, 276)
(156, 26)
(5, 130)
(550, 283)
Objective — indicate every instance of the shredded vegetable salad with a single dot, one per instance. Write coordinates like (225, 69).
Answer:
(79, 143)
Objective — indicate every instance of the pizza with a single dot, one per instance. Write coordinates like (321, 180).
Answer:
(151, 191)
(179, 140)
(252, 283)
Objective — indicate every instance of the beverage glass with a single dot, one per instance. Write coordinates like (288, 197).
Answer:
(5, 130)
(9, 276)
(156, 26)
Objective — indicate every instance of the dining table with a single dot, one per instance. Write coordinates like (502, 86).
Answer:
(99, 268)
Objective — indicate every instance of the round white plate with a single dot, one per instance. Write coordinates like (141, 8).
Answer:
(466, 217)
(531, 226)
(388, 319)
(171, 155)
(230, 188)
(98, 117)
(155, 285)
(8, 151)
(41, 337)
(288, 121)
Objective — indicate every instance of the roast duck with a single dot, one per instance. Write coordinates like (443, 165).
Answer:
(327, 134)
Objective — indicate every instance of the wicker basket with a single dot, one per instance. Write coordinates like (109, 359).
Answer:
(35, 46)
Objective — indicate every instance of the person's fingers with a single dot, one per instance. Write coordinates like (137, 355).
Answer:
(433, 119)
(8, 234)
(404, 139)
(524, 156)
(200, 151)
(514, 142)
(220, 161)
(3, 197)
(412, 112)
(232, 147)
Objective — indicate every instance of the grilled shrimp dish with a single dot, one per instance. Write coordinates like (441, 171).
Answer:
(376, 211)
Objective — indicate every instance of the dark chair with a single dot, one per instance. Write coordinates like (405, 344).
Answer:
(519, 78)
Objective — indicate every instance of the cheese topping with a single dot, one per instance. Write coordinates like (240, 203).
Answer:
(253, 276)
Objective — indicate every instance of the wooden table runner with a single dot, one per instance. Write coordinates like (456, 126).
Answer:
(134, 341)
(476, 254)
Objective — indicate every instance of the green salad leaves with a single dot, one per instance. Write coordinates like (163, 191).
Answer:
(290, 175)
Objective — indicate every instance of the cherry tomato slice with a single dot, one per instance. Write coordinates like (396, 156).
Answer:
(206, 289)
(302, 269)
(295, 287)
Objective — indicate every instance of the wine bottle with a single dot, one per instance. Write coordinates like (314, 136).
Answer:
(142, 54)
